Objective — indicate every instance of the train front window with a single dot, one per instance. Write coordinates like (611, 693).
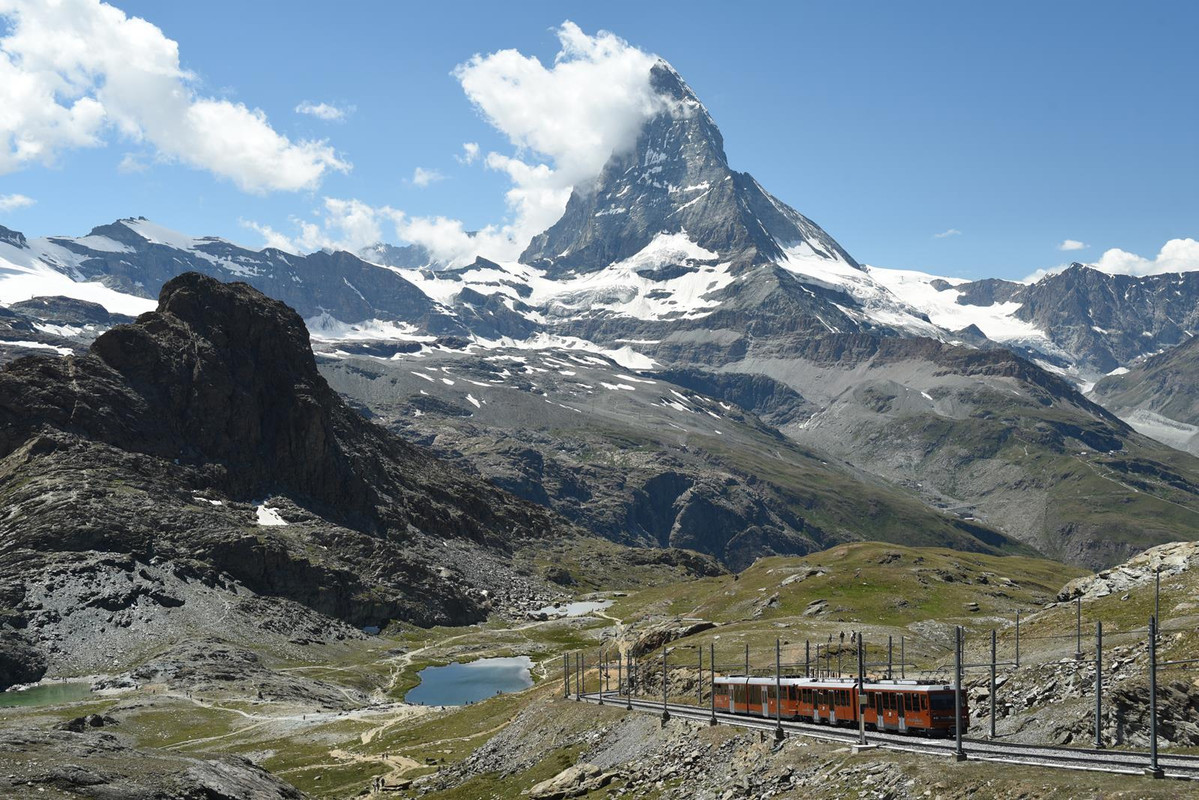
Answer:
(941, 702)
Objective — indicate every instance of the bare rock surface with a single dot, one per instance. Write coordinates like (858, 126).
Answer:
(100, 765)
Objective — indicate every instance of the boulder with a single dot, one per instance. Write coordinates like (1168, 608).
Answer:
(572, 782)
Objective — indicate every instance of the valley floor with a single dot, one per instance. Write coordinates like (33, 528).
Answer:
(337, 726)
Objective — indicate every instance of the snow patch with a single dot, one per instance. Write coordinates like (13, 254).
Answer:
(269, 516)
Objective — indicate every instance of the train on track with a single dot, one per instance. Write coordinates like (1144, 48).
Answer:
(889, 705)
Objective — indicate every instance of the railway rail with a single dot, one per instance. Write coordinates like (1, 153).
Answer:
(1125, 762)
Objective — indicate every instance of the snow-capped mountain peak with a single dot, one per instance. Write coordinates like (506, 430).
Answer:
(675, 178)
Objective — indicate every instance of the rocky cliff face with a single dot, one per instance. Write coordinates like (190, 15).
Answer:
(655, 460)
(990, 436)
(1159, 396)
(1099, 322)
(198, 450)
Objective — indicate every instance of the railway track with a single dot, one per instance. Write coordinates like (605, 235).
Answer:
(1117, 761)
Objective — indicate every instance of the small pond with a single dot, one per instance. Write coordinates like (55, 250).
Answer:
(576, 609)
(46, 694)
(458, 684)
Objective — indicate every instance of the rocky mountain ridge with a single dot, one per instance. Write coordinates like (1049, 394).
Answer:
(193, 470)
(674, 263)
(1158, 396)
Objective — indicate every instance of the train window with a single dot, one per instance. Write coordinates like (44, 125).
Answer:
(941, 702)
(924, 702)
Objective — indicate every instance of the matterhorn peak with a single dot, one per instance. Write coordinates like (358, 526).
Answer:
(675, 179)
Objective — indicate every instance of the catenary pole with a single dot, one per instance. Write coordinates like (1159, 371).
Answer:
(602, 675)
(1099, 685)
(665, 713)
(890, 660)
(861, 692)
(778, 690)
(807, 658)
(992, 683)
(903, 659)
(1157, 594)
(628, 697)
(1154, 769)
(958, 752)
(1078, 628)
(712, 679)
(699, 684)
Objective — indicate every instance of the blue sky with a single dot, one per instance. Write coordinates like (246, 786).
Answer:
(1017, 125)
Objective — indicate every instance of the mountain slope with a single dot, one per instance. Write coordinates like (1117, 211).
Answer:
(194, 472)
(133, 258)
(672, 261)
(1159, 396)
(640, 459)
(991, 435)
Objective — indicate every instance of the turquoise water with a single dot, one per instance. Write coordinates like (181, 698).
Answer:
(45, 695)
(458, 684)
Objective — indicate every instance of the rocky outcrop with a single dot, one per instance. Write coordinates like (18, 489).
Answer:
(197, 454)
(91, 764)
(572, 782)
(20, 662)
(1166, 561)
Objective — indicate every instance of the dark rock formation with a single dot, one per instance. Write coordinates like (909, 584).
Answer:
(130, 477)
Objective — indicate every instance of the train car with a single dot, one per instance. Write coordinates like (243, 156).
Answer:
(903, 706)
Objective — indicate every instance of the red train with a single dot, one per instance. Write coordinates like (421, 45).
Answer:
(903, 706)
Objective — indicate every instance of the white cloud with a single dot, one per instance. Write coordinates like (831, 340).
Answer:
(1176, 255)
(131, 163)
(325, 111)
(73, 72)
(343, 225)
(423, 177)
(947, 234)
(11, 202)
(470, 153)
(564, 122)
(1072, 244)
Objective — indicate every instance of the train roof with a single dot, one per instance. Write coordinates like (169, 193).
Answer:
(836, 683)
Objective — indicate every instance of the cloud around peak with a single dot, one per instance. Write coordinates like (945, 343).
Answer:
(564, 120)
